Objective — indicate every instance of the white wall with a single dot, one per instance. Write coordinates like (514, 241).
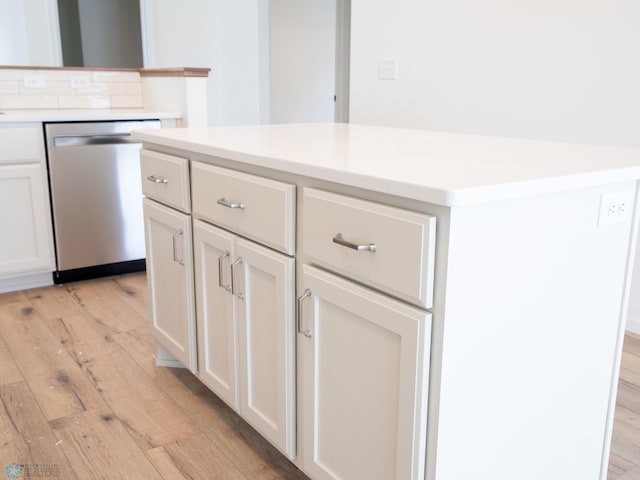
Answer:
(303, 53)
(13, 35)
(218, 34)
(29, 33)
(546, 69)
(551, 69)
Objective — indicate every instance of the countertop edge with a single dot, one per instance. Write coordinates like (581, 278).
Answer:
(449, 197)
(26, 116)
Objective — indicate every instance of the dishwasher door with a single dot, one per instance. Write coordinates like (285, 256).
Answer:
(96, 198)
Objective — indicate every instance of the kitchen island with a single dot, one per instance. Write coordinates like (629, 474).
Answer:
(388, 303)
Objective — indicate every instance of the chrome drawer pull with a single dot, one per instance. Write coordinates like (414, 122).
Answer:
(220, 280)
(239, 295)
(154, 179)
(223, 201)
(175, 254)
(340, 240)
(306, 333)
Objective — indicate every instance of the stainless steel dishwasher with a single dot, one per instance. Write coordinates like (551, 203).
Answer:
(96, 198)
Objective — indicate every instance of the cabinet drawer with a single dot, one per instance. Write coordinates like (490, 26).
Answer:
(165, 178)
(21, 144)
(403, 244)
(258, 208)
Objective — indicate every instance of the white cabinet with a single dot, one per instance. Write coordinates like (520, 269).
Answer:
(255, 207)
(165, 182)
(365, 361)
(364, 357)
(26, 245)
(217, 327)
(390, 249)
(245, 298)
(170, 279)
(265, 301)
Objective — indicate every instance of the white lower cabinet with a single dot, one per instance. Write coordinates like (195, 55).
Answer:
(170, 279)
(25, 218)
(246, 330)
(365, 362)
(26, 243)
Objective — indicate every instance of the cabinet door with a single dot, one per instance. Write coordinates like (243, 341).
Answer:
(213, 252)
(265, 297)
(364, 382)
(170, 279)
(25, 244)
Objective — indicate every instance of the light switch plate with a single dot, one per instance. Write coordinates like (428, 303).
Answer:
(387, 69)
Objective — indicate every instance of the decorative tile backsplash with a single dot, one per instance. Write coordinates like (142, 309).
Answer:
(69, 89)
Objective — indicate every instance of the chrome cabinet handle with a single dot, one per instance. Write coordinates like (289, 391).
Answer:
(223, 201)
(220, 280)
(307, 333)
(154, 179)
(239, 295)
(340, 240)
(175, 255)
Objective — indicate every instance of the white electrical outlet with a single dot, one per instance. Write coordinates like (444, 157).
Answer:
(79, 82)
(34, 81)
(615, 207)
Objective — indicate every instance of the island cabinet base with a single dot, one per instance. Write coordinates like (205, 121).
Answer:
(528, 348)
(457, 322)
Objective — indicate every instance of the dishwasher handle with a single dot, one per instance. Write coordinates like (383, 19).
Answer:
(91, 140)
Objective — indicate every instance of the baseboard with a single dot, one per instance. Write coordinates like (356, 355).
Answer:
(24, 282)
(165, 359)
(633, 325)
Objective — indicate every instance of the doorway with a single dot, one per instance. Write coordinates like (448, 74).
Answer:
(309, 60)
(100, 33)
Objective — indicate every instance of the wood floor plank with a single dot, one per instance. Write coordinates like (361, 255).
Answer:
(150, 416)
(99, 447)
(132, 289)
(626, 436)
(9, 372)
(630, 368)
(11, 297)
(631, 475)
(618, 466)
(97, 298)
(13, 448)
(53, 302)
(628, 396)
(632, 343)
(140, 345)
(74, 327)
(251, 454)
(33, 440)
(198, 458)
(59, 385)
(165, 465)
(245, 447)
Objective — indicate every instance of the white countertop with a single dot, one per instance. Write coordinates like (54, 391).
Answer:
(72, 115)
(442, 168)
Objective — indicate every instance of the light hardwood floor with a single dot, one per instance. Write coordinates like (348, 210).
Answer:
(81, 397)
